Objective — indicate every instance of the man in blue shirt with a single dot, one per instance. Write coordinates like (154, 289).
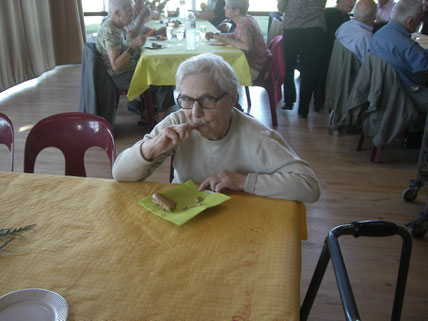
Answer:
(355, 35)
(393, 43)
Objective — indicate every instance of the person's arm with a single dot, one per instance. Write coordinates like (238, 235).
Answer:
(242, 43)
(134, 32)
(288, 177)
(140, 161)
(277, 172)
(119, 60)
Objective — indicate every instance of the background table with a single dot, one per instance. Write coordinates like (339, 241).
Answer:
(113, 260)
(158, 66)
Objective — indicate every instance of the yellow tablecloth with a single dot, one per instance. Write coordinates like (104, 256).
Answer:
(113, 260)
(158, 66)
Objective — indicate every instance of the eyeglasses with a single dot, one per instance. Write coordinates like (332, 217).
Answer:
(205, 102)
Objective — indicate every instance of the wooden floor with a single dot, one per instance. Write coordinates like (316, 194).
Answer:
(352, 189)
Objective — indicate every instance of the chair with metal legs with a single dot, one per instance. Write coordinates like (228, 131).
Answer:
(331, 250)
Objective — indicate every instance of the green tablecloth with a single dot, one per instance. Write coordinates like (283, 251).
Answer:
(158, 66)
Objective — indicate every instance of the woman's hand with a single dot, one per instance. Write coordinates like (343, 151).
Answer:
(138, 41)
(225, 180)
(209, 35)
(222, 37)
(167, 140)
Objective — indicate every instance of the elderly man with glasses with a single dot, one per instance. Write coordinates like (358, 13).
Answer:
(215, 145)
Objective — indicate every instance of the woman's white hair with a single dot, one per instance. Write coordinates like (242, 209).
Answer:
(120, 5)
(242, 5)
(215, 66)
(405, 9)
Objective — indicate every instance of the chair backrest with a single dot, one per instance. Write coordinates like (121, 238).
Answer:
(73, 134)
(277, 49)
(7, 135)
(98, 93)
(390, 109)
(274, 30)
(332, 250)
(342, 72)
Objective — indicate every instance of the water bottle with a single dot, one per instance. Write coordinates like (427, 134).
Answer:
(190, 31)
(182, 9)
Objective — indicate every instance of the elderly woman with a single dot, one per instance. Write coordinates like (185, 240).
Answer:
(247, 35)
(120, 56)
(215, 145)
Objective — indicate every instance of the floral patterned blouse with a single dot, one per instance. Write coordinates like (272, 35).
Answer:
(258, 53)
(111, 37)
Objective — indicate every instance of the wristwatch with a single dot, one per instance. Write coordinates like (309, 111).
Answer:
(130, 51)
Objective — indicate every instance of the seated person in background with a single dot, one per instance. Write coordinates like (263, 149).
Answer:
(355, 35)
(247, 36)
(424, 29)
(333, 17)
(384, 8)
(141, 15)
(215, 145)
(120, 56)
(393, 44)
(214, 14)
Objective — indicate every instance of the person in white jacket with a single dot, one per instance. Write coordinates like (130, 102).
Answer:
(216, 145)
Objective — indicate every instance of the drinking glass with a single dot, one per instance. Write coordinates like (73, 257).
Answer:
(203, 32)
(169, 32)
(180, 34)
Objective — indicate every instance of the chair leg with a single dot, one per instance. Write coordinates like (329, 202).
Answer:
(247, 93)
(149, 110)
(375, 154)
(272, 104)
(314, 286)
(360, 142)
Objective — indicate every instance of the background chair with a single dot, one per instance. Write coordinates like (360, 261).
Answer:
(342, 71)
(276, 47)
(265, 80)
(275, 28)
(7, 135)
(380, 103)
(331, 250)
(73, 134)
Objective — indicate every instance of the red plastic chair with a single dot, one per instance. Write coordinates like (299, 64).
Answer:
(265, 80)
(72, 133)
(278, 73)
(7, 135)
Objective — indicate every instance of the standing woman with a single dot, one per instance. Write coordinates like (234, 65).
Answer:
(247, 36)
(304, 26)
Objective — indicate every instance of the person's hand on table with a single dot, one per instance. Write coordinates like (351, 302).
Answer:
(160, 32)
(169, 138)
(221, 37)
(209, 35)
(224, 180)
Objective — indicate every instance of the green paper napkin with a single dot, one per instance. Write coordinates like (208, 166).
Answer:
(185, 195)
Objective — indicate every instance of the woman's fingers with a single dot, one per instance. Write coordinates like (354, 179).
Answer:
(178, 133)
(224, 180)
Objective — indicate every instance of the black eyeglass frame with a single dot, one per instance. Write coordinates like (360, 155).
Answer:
(179, 99)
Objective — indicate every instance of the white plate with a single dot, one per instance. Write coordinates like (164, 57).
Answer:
(33, 305)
